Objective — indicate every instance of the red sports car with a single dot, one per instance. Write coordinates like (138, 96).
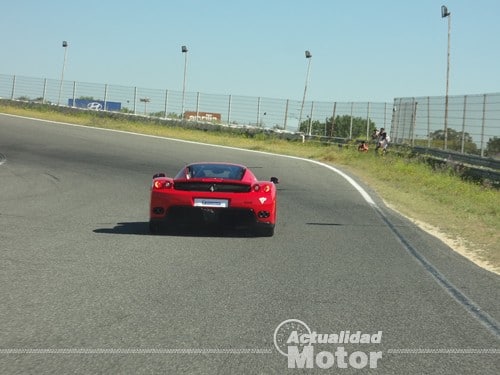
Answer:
(220, 194)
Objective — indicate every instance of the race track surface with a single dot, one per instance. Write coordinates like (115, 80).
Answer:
(85, 289)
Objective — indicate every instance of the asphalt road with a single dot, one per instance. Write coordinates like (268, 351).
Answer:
(85, 289)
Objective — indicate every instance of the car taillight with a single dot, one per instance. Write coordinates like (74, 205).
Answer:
(264, 189)
(161, 184)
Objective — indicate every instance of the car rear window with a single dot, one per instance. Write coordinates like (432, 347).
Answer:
(223, 171)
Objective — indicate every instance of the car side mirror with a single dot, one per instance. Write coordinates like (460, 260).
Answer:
(159, 175)
(275, 180)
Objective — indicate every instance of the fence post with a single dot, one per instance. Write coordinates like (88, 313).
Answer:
(44, 90)
(393, 122)
(197, 105)
(368, 121)
(410, 128)
(135, 100)
(13, 88)
(229, 110)
(385, 115)
(105, 96)
(405, 119)
(333, 119)
(286, 115)
(482, 125)
(258, 111)
(166, 103)
(74, 94)
(414, 121)
(398, 120)
(310, 118)
(350, 126)
(462, 148)
(428, 121)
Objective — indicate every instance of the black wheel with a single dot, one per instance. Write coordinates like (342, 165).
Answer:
(264, 230)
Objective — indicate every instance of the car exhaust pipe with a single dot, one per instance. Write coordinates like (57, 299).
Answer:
(263, 214)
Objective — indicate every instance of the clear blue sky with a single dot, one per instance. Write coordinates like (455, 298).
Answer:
(362, 50)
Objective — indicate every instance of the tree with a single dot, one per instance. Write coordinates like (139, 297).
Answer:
(317, 128)
(455, 140)
(174, 115)
(341, 128)
(493, 147)
(159, 114)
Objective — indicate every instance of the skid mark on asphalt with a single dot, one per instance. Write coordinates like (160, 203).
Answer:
(468, 304)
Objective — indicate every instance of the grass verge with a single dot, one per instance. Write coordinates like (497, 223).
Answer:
(465, 215)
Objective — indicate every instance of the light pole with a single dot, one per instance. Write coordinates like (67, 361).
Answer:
(184, 50)
(308, 57)
(446, 14)
(65, 46)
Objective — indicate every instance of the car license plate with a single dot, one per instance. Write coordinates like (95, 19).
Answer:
(207, 202)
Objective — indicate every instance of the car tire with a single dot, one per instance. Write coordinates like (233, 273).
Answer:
(154, 227)
(264, 231)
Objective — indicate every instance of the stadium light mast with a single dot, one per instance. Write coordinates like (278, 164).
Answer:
(308, 57)
(446, 14)
(65, 46)
(184, 50)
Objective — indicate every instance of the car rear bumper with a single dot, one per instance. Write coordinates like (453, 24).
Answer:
(197, 219)
(187, 215)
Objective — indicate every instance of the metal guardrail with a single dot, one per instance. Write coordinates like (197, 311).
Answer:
(467, 159)
(469, 166)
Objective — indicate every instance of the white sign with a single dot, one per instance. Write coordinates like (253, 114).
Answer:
(209, 202)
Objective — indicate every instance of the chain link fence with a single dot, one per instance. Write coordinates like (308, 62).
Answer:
(473, 121)
(234, 110)
(472, 126)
